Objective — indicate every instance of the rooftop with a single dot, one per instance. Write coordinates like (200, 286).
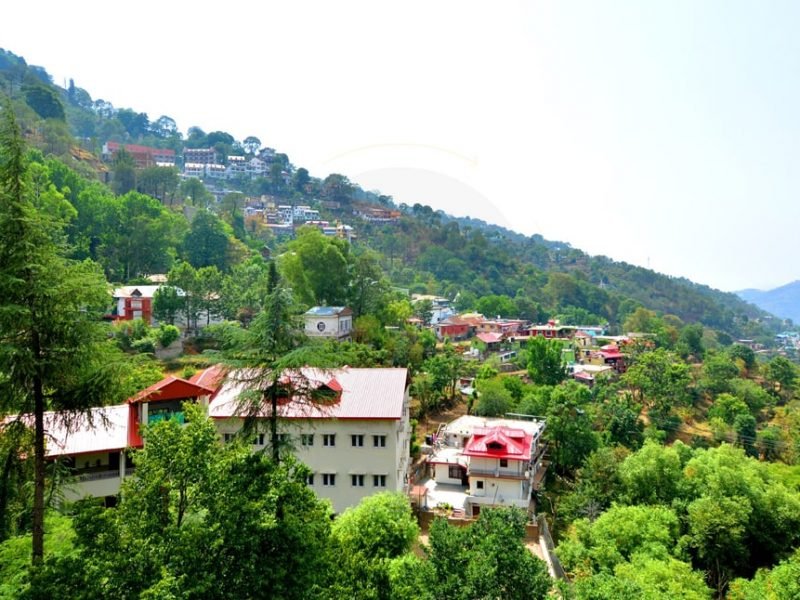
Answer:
(360, 394)
(499, 442)
(328, 311)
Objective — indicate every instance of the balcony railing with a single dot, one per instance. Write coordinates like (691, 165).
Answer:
(94, 475)
(497, 473)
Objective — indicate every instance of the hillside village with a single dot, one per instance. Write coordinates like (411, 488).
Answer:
(258, 366)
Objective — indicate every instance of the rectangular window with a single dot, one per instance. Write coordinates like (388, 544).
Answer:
(454, 472)
(357, 480)
(228, 437)
(307, 439)
(329, 439)
(357, 440)
(503, 462)
(310, 479)
(258, 440)
(479, 484)
(329, 479)
(379, 480)
(283, 439)
(379, 441)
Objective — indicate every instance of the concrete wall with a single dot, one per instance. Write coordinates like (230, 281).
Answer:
(344, 459)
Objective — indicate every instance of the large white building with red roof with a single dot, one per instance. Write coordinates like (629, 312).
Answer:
(351, 427)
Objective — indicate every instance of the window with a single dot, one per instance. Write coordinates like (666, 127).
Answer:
(379, 441)
(310, 479)
(329, 479)
(379, 480)
(503, 462)
(357, 480)
(454, 472)
(329, 439)
(228, 437)
(307, 439)
(479, 484)
(357, 440)
(258, 440)
(283, 439)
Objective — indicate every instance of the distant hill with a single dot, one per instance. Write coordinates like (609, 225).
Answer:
(783, 301)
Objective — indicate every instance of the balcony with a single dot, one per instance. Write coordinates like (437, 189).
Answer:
(96, 473)
(498, 472)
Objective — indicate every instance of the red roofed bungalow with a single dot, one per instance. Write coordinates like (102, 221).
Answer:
(500, 467)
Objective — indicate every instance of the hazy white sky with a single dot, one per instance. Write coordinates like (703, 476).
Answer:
(665, 134)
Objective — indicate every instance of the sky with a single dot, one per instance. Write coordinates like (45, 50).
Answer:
(664, 134)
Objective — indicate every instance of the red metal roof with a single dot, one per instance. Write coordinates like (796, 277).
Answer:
(490, 338)
(171, 388)
(362, 394)
(499, 442)
(211, 377)
(612, 355)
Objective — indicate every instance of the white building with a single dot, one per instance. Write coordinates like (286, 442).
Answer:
(335, 322)
(305, 213)
(477, 461)
(351, 427)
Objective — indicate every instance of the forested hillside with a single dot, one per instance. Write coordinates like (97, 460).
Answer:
(426, 251)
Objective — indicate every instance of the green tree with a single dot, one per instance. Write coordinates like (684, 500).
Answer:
(545, 366)
(717, 529)
(653, 474)
(208, 242)
(783, 375)
(52, 356)
(124, 172)
(494, 399)
(728, 408)
(569, 426)
(780, 583)
(365, 539)
(44, 102)
(193, 497)
(193, 190)
(486, 559)
(316, 268)
(660, 381)
(167, 304)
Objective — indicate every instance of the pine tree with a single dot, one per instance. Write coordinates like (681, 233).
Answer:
(51, 341)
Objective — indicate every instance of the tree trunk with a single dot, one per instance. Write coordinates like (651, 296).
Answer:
(38, 471)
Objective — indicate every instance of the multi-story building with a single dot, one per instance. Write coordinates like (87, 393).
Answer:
(477, 462)
(350, 426)
(205, 156)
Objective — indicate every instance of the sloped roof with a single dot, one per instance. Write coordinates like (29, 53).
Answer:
(102, 429)
(171, 388)
(328, 311)
(361, 394)
(499, 442)
(490, 338)
(211, 377)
